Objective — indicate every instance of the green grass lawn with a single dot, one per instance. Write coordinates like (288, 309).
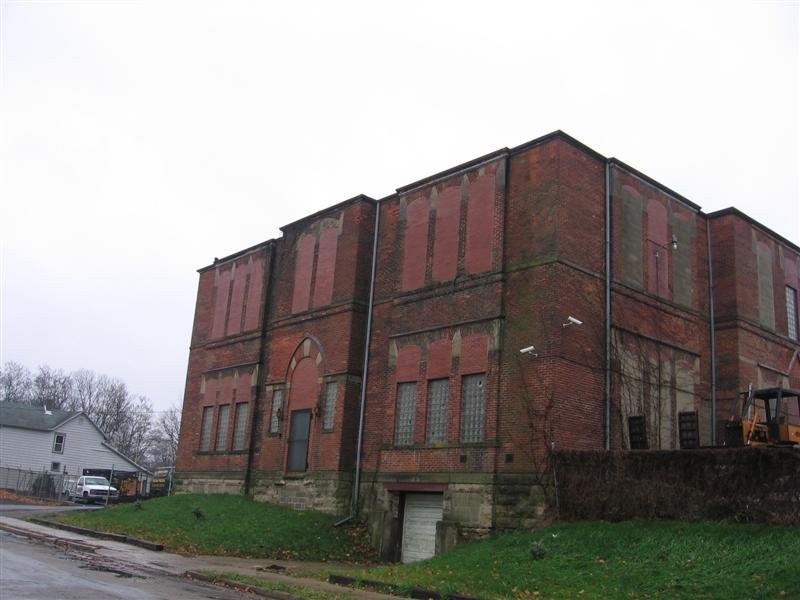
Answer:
(578, 560)
(616, 560)
(229, 525)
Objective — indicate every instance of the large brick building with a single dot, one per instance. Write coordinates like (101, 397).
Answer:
(369, 358)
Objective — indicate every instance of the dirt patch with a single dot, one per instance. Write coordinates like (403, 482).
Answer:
(8, 497)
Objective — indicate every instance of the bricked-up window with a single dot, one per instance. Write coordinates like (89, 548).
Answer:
(205, 428)
(791, 311)
(329, 410)
(406, 407)
(277, 410)
(438, 393)
(473, 409)
(240, 425)
(222, 426)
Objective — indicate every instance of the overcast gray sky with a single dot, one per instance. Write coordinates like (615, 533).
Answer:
(142, 139)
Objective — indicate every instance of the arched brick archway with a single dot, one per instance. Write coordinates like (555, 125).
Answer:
(303, 376)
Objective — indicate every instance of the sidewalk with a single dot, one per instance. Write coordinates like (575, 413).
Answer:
(179, 565)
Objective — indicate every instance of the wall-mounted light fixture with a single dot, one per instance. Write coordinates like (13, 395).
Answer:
(672, 245)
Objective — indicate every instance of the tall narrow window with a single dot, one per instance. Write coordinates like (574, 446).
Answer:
(222, 427)
(438, 393)
(406, 407)
(240, 425)
(277, 409)
(329, 410)
(58, 443)
(473, 409)
(791, 311)
(205, 428)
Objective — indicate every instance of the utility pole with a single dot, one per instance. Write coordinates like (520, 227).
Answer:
(110, 478)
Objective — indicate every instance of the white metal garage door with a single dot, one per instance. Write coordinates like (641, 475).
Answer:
(422, 512)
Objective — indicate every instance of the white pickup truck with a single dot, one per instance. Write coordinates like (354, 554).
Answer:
(90, 488)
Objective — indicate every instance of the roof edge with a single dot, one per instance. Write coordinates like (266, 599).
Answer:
(319, 213)
(732, 210)
(470, 164)
(235, 255)
(658, 184)
(560, 135)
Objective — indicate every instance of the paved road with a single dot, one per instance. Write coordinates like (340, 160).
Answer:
(30, 570)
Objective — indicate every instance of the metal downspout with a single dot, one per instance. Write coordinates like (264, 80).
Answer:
(262, 370)
(713, 338)
(607, 433)
(365, 371)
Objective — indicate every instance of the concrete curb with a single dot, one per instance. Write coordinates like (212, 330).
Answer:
(278, 595)
(114, 537)
(49, 539)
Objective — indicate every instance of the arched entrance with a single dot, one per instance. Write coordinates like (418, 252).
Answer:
(304, 376)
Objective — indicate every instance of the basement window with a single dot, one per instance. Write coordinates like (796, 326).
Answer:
(637, 432)
(58, 443)
(55, 466)
(688, 429)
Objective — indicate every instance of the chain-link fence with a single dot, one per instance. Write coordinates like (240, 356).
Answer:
(37, 484)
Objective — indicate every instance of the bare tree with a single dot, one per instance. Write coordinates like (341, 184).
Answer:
(16, 383)
(113, 405)
(86, 392)
(51, 388)
(132, 434)
(165, 438)
(126, 420)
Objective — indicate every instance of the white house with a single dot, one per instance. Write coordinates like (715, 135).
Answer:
(56, 441)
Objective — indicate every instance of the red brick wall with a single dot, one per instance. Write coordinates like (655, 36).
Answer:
(436, 315)
(472, 266)
(303, 270)
(215, 358)
(326, 266)
(445, 237)
(480, 222)
(748, 350)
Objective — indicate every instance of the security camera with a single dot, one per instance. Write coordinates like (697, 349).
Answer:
(572, 321)
(529, 350)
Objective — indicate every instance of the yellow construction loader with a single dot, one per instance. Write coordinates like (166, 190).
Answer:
(770, 416)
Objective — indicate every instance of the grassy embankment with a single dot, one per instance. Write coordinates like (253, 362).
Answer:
(576, 560)
(616, 560)
(229, 525)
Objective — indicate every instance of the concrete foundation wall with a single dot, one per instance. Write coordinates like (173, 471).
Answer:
(473, 507)
(209, 483)
(324, 491)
